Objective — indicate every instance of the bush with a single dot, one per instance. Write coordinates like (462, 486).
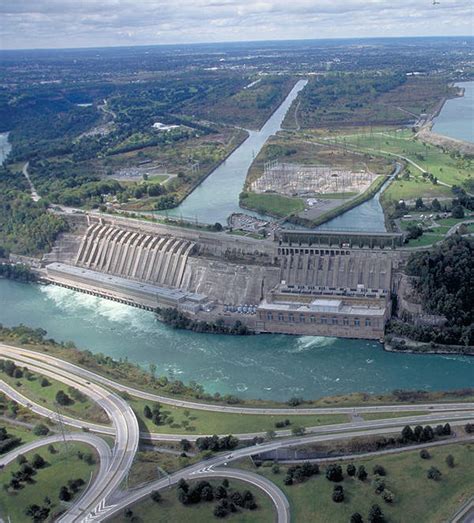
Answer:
(38, 462)
(424, 454)
(62, 398)
(64, 494)
(334, 473)
(356, 518)
(45, 382)
(338, 494)
(378, 469)
(450, 461)
(469, 428)
(155, 496)
(361, 473)
(351, 469)
(40, 430)
(376, 515)
(388, 496)
(434, 474)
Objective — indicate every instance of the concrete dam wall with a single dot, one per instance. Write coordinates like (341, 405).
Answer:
(131, 254)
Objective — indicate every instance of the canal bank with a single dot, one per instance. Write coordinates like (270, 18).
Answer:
(271, 367)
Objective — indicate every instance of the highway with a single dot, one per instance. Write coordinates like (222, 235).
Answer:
(9, 351)
(124, 428)
(101, 499)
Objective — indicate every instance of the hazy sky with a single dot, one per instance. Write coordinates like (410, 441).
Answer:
(82, 23)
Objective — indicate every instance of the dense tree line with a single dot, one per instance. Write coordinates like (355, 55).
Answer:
(27, 227)
(17, 272)
(443, 277)
(178, 320)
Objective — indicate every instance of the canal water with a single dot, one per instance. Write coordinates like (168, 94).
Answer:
(457, 115)
(266, 366)
(218, 195)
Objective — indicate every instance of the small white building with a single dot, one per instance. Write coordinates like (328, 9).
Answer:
(159, 126)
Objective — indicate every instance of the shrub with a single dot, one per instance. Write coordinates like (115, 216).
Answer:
(424, 454)
(64, 494)
(351, 469)
(376, 515)
(434, 474)
(155, 496)
(338, 494)
(450, 461)
(378, 469)
(361, 473)
(388, 496)
(40, 430)
(356, 518)
(334, 473)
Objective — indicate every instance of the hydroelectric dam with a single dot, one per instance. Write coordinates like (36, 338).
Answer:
(327, 283)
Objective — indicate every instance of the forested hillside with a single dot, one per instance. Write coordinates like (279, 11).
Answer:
(26, 226)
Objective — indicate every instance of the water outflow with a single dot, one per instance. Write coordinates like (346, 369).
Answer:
(218, 195)
(5, 147)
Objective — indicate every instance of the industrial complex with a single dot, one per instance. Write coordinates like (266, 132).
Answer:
(297, 282)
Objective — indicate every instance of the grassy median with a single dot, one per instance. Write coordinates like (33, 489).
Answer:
(61, 466)
(424, 500)
(178, 420)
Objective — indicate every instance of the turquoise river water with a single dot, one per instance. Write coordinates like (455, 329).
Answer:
(265, 366)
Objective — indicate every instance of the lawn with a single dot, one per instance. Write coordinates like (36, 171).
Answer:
(189, 421)
(61, 467)
(272, 204)
(83, 407)
(170, 510)
(19, 431)
(385, 415)
(425, 240)
(424, 500)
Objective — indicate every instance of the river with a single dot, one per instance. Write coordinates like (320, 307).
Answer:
(456, 118)
(217, 197)
(265, 366)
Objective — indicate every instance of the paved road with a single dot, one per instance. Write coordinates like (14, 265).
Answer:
(103, 450)
(94, 506)
(222, 460)
(10, 351)
(125, 428)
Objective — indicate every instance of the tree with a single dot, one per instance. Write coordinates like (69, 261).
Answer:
(62, 398)
(147, 412)
(220, 492)
(424, 454)
(433, 473)
(351, 469)
(338, 494)
(469, 428)
(457, 212)
(207, 494)
(435, 205)
(450, 461)
(407, 434)
(334, 473)
(64, 494)
(40, 430)
(185, 445)
(378, 469)
(45, 382)
(388, 496)
(37, 513)
(183, 485)
(361, 473)
(225, 483)
(155, 496)
(356, 518)
(419, 204)
(38, 462)
(447, 429)
(376, 515)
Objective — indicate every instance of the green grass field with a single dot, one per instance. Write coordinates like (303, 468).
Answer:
(170, 510)
(385, 415)
(19, 431)
(61, 467)
(188, 421)
(84, 408)
(448, 169)
(416, 497)
(272, 204)
(425, 240)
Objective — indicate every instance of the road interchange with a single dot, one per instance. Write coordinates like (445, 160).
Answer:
(104, 498)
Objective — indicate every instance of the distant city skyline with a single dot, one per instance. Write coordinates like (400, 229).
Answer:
(92, 23)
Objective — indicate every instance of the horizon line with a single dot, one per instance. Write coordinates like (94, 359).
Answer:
(227, 42)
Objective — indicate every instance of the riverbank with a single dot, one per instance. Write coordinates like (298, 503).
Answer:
(405, 345)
